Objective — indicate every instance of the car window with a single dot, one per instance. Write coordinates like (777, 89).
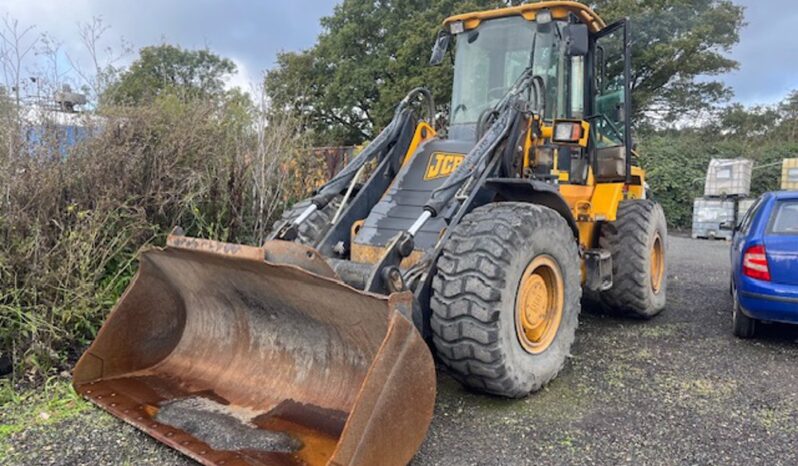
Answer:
(785, 218)
(745, 225)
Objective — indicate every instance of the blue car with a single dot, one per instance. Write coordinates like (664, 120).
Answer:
(764, 259)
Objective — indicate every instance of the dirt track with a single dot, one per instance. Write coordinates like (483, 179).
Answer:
(678, 389)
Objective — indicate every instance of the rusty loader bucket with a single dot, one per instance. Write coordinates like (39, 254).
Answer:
(239, 355)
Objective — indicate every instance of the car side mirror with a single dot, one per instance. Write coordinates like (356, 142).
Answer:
(576, 40)
(728, 226)
(440, 48)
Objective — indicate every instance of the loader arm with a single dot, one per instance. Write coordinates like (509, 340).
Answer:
(456, 196)
(388, 148)
(508, 112)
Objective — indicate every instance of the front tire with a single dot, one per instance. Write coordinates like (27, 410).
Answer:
(505, 300)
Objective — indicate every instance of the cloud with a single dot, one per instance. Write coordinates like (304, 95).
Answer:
(767, 52)
(250, 31)
(243, 79)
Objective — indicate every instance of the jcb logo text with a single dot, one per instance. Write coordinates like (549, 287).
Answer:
(442, 165)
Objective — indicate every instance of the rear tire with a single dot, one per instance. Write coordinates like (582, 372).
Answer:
(312, 230)
(483, 275)
(639, 275)
(742, 325)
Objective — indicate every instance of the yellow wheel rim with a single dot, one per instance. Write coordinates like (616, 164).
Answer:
(539, 304)
(657, 264)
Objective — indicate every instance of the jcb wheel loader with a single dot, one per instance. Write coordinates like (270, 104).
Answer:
(473, 244)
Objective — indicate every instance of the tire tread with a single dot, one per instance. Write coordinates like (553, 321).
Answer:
(466, 299)
(627, 240)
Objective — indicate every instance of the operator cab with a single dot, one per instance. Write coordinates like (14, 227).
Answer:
(491, 57)
(568, 50)
(574, 54)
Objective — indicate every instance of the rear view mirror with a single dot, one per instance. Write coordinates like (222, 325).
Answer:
(576, 40)
(728, 226)
(440, 48)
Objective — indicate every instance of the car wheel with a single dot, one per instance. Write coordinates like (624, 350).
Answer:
(743, 326)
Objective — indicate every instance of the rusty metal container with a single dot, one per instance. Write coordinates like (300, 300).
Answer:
(232, 358)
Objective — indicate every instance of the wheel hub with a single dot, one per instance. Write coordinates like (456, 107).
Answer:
(537, 300)
(657, 264)
(539, 304)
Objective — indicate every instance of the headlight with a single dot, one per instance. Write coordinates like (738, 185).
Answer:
(569, 132)
(543, 16)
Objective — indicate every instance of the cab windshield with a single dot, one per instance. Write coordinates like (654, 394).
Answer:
(489, 59)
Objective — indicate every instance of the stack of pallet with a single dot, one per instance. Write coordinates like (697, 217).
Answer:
(725, 199)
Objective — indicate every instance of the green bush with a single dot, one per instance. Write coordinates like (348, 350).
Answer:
(71, 227)
(675, 168)
(676, 164)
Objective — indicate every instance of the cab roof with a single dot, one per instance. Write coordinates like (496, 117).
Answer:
(559, 10)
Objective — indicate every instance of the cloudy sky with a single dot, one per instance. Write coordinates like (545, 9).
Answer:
(251, 32)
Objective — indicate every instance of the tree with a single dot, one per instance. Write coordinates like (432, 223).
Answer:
(789, 111)
(675, 42)
(369, 55)
(676, 160)
(746, 123)
(167, 69)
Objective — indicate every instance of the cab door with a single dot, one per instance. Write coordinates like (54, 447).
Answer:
(610, 103)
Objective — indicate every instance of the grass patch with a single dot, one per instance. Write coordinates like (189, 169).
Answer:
(644, 354)
(660, 331)
(53, 402)
(779, 418)
(701, 388)
(701, 394)
(564, 399)
(621, 375)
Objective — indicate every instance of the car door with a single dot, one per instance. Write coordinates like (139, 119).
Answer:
(781, 242)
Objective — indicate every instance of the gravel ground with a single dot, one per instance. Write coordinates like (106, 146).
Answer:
(678, 389)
